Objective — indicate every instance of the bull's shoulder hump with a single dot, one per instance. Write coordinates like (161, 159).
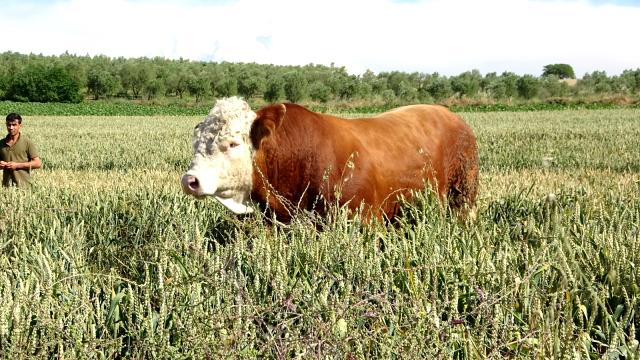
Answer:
(421, 112)
(418, 108)
(301, 113)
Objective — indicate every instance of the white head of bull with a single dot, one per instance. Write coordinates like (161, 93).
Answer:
(222, 164)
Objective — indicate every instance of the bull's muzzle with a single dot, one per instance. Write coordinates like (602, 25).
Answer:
(190, 184)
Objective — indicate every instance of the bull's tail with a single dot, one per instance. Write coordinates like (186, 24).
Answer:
(462, 176)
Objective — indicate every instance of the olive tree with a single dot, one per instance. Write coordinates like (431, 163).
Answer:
(275, 89)
(562, 71)
(528, 86)
(295, 86)
(318, 91)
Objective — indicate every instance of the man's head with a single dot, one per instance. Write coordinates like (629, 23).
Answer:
(14, 123)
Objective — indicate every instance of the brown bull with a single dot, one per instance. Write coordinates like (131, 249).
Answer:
(286, 157)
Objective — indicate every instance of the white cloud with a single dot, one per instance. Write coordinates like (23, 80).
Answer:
(382, 35)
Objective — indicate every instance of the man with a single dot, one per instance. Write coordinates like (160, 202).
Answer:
(18, 155)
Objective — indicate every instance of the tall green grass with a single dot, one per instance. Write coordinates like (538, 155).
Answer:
(106, 258)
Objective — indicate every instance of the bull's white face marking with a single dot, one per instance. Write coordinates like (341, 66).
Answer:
(222, 162)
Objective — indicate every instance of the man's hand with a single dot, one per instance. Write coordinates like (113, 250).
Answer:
(2, 164)
(10, 165)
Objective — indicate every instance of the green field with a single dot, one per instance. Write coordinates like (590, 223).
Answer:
(107, 258)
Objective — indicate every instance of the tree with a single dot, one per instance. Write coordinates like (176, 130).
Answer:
(275, 89)
(295, 86)
(4, 82)
(486, 81)
(319, 92)
(65, 86)
(389, 96)
(198, 86)
(439, 87)
(562, 71)
(630, 80)
(228, 86)
(100, 83)
(376, 84)
(349, 88)
(177, 81)
(551, 86)
(365, 90)
(250, 84)
(336, 78)
(76, 67)
(135, 75)
(40, 83)
(528, 86)
(596, 82)
(406, 91)
(397, 81)
(504, 86)
(153, 88)
(467, 83)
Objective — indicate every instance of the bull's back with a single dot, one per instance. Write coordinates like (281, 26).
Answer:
(408, 137)
(403, 148)
(423, 125)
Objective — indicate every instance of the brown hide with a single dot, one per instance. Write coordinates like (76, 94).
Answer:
(308, 160)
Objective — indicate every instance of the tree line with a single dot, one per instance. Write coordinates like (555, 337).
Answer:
(71, 78)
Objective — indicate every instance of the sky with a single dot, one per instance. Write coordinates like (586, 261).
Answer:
(444, 36)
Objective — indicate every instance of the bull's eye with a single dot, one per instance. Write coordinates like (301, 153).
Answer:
(233, 144)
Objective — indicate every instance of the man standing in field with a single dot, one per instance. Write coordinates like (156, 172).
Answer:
(18, 155)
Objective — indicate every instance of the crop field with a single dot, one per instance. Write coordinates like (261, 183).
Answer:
(106, 258)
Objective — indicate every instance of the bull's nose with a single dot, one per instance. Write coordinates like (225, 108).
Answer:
(190, 183)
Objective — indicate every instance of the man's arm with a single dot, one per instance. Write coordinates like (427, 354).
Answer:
(34, 163)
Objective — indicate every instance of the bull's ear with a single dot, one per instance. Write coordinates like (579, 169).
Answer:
(268, 120)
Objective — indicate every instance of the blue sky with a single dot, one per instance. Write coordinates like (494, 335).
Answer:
(445, 36)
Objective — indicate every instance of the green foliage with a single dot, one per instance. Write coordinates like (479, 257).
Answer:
(154, 88)
(198, 86)
(136, 76)
(107, 258)
(439, 87)
(406, 92)
(295, 86)
(227, 87)
(100, 83)
(552, 87)
(562, 71)
(631, 80)
(349, 88)
(159, 80)
(319, 92)
(123, 108)
(528, 87)
(251, 84)
(41, 83)
(178, 80)
(510, 81)
(275, 89)
(102, 108)
(4, 84)
(596, 82)
(467, 83)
